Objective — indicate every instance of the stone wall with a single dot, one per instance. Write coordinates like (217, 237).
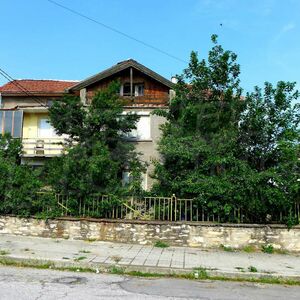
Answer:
(202, 235)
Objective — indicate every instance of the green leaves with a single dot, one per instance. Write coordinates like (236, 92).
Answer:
(227, 151)
(18, 183)
(95, 163)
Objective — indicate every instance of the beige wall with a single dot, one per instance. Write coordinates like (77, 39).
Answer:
(149, 148)
(12, 102)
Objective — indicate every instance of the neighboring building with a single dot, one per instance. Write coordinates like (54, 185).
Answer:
(24, 105)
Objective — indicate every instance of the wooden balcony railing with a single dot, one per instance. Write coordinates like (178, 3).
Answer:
(43, 147)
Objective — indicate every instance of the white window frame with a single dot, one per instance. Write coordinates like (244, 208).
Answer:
(52, 133)
(134, 134)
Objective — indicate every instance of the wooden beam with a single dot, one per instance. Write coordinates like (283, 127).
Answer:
(131, 82)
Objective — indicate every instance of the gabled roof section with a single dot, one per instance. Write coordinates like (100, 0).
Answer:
(118, 68)
(43, 86)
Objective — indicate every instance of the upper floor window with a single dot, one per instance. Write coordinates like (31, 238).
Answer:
(137, 89)
(143, 129)
(11, 122)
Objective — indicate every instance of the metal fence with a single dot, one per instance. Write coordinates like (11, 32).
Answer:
(157, 208)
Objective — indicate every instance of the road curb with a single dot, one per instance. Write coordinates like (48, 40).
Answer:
(154, 270)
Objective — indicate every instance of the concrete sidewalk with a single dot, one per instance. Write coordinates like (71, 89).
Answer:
(102, 255)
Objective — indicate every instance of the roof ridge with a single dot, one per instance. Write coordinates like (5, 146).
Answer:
(45, 79)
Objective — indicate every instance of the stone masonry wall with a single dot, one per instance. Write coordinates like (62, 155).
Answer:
(178, 234)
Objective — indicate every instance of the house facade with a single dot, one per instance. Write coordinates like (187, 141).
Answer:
(25, 103)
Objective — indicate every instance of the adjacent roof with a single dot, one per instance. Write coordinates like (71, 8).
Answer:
(38, 87)
(118, 68)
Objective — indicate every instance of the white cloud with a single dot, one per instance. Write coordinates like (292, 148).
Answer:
(284, 29)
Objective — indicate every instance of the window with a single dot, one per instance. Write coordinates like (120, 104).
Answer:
(126, 178)
(137, 89)
(143, 130)
(45, 130)
(11, 122)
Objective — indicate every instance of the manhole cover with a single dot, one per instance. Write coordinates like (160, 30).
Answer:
(71, 280)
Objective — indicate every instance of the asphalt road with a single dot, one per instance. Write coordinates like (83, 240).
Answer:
(33, 284)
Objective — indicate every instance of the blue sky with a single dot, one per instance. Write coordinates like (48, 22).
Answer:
(42, 41)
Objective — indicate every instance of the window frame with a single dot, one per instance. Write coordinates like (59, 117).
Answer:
(135, 87)
(12, 122)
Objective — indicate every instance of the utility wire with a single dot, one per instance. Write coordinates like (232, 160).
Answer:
(22, 88)
(117, 31)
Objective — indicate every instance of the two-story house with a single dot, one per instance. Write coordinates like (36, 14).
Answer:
(24, 106)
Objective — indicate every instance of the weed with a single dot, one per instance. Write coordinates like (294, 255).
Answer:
(4, 252)
(116, 258)
(116, 270)
(281, 251)
(200, 273)
(121, 271)
(240, 269)
(267, 248)
(80, 258)
(160, 244)
(26, 249)
(90, 240)
(84, 251)
(249, 249)
(65, 257)
(226, 248)
(252, 269)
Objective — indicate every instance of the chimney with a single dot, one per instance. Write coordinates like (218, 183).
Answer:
(174, 79)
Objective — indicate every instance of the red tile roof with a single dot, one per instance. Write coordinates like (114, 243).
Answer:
(36, 86)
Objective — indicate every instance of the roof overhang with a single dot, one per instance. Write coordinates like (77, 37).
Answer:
(118, 68)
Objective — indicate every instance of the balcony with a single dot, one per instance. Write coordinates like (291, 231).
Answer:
(43, 147)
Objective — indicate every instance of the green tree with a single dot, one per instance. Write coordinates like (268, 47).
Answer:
(98, 151)
(18, 183)
(269, 143)
(226, 150)
(198, 141)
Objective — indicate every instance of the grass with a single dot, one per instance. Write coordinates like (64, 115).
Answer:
(227, 248)
(116, 258)
(84, 251)
(249, 249)
(160, 244)
(80, 258)
(252, 269)
(267, 249)
(203, 275)
(4, 252)
(200, 273)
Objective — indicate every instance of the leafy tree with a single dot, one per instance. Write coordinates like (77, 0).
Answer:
(269, 143)
(198, 141)
(226, 150)
(18, 183)
(98, 151)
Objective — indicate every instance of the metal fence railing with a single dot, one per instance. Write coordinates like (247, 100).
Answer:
(156, 208)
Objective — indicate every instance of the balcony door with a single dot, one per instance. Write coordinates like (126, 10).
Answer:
(45, 130)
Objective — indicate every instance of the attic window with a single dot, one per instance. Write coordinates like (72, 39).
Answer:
(138, 89)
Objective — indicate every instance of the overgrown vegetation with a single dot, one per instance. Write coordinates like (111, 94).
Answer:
(229, 151)
(161, 244)
(98, 151)
(18, 183)
(234, 154)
